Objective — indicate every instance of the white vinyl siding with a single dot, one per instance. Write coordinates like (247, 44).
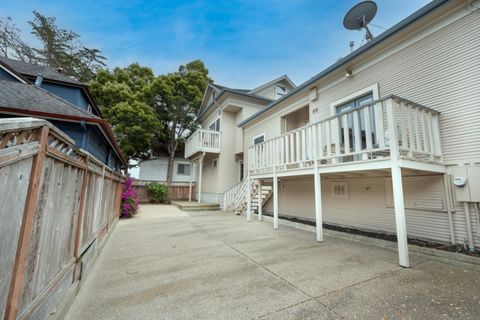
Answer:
(156, 170)
(367, 207)
(436, 66)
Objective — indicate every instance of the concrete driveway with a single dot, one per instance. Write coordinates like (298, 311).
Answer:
(167, 264)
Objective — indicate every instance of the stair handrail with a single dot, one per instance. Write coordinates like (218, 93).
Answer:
(230, 194)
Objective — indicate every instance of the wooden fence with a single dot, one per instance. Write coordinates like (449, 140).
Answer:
(56, 205)
(176, 191)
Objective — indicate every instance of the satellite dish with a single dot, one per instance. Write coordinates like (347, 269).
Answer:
(360, 16)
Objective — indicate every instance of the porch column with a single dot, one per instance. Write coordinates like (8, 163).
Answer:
(249, 199)
(190, 183)
(260, 202)
(275, 201)
(400, 216)
(397, 187)
(318, 204)
(199, 182)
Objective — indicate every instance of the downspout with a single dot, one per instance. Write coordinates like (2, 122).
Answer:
(471, 245)
(448, 198)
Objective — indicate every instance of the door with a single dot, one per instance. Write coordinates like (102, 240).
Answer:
(355, 104)
(241, 170)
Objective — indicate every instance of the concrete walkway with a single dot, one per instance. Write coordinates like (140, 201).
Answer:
(166, 264)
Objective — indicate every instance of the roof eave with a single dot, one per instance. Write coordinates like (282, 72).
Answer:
(379, 39)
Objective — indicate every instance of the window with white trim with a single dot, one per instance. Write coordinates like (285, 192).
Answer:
(215, 126)
(183, 169)
(259, 139)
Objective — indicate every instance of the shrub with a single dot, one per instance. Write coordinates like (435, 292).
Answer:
(157, 192)
(129, 197)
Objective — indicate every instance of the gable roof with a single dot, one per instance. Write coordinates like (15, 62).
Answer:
(27, 99)
(32, 70)
(221, 90)
(25, 96)
(281, 78)
(432, 6)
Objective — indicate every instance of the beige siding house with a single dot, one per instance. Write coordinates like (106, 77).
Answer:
(216, 148)
(385, 140)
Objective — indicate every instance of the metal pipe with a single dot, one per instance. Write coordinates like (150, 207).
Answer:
(471, 245)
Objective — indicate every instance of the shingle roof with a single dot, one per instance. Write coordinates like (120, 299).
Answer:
(27, 97)
(32, 70)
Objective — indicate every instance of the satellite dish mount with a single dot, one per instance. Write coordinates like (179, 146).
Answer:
(360, 16)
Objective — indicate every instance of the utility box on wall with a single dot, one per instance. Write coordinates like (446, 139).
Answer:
(466, 182)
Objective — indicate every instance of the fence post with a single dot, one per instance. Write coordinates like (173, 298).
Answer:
(18, 275)
(78, 232)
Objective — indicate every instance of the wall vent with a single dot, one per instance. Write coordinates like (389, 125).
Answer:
(340, 190)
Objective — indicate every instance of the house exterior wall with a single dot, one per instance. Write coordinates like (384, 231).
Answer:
(435, 65)
(215, 180)
(4, 75)
(73, 95)
(369, 206)
(156, 170)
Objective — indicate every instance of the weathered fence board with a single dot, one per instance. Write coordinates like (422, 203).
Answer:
(13, 176)
(49, 215)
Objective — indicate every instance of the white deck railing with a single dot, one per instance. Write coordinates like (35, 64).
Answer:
(203, 141)
(362, 134)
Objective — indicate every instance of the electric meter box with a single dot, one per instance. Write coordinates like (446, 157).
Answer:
(465, 181)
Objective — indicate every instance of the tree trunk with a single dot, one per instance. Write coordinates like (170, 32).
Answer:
(172, 148)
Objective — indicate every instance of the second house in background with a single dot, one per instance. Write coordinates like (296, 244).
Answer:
(216, 148)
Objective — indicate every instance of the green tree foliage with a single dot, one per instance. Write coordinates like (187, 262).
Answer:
(177, 97)
(124, 96)
(59, 48)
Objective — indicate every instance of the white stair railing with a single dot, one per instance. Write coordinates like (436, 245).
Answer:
(230, 194)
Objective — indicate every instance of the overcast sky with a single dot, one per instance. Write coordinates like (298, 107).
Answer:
(243, 43)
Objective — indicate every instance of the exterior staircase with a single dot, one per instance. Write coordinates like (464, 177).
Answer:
(236, 198)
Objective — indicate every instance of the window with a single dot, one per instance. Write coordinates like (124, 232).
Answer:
(215, 163)
(280, 91)
(183, 169)
(259, 139)
(215, 126)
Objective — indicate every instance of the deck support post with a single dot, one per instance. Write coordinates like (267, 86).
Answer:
(275, 200)
(400, 216)
(249, 199)
(318, 204)
(397, 183)
(200, 169)
(190, 183)
(260, 202)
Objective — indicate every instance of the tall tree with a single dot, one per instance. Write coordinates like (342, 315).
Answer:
(124, 96)
(11, 44)
(61, 48)
(177, 97)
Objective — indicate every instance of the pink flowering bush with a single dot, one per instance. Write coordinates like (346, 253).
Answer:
(129, 205)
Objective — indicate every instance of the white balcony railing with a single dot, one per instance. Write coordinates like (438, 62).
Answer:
(362, 134)
(203, 141)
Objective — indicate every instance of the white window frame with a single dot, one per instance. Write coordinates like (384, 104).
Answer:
(258, 136)
(214, 123)
(186, 164)
(373, 89)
